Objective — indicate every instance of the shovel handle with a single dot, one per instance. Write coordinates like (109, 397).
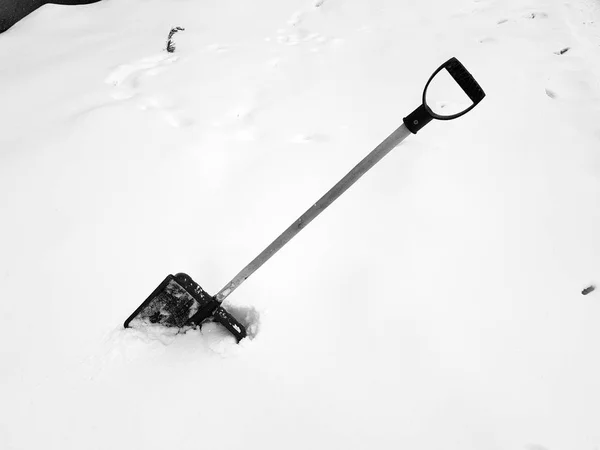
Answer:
(412, 123)
(317, 208)
(424, 114)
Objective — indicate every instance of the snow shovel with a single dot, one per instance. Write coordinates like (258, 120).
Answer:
(180, 302)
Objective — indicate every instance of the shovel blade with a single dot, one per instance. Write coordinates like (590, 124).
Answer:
(180, 302)
(174, 303)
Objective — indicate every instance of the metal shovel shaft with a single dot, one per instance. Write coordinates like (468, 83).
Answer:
(351, 177)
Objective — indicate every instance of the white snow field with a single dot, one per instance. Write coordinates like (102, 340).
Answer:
(436, 305)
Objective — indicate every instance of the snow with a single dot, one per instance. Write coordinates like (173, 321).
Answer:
(436, 304)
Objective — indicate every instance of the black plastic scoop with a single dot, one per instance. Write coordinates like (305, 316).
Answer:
(179, 302)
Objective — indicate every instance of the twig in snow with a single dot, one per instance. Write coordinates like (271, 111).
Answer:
(170, 43)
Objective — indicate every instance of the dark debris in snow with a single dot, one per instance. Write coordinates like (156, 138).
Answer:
(588, 290)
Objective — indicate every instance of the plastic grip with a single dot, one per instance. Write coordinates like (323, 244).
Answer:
(417, 119)
(423, 114)
(465, 80)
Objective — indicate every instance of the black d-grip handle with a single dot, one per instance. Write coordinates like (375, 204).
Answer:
(464, 79)
(423, 114)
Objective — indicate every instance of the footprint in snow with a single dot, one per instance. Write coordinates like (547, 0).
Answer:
(127, 80)
(239, 123)
(296, 32)
(304, 36)
(127, 76)
(217, 48)
(535, 447)
(571, 85)
(486, 40)
(295, 19)
(536, 15)
(479, 6)
(308, 138)
(528, 15)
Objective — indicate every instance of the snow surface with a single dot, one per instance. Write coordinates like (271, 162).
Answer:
(436, 305)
